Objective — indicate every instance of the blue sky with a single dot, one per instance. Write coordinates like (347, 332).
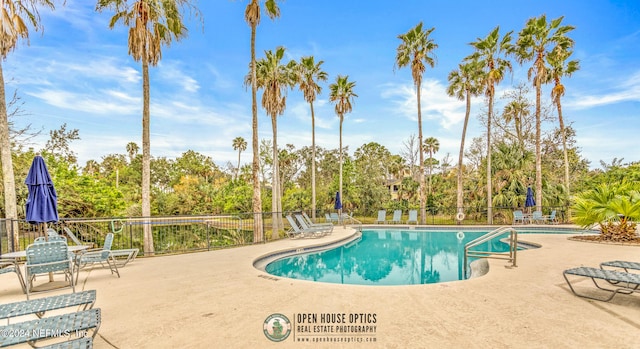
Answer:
(78, 72)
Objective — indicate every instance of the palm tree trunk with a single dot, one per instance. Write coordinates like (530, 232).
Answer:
(538, 152)
(423, 217)
(566, 157)
(258, 232)
(340, 161)
(459, 196)
(146, 160)
(489, 186)
(313, 163)
(275, 179)
(8, 177)
(238, 167)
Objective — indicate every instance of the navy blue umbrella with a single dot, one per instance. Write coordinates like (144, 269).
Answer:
(529, 202)
(338, 204)
(42, 202)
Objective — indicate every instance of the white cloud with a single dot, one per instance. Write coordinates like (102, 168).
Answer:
(435, 103)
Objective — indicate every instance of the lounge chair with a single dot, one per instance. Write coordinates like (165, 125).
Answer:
(382, 216)
(48, 257)
(518, 217)
(397, 216)
(11, 266)
(312, 224)
(627, 283)
(413, 217)
(296, 231)
(326, 228)
(330, 219)
(73, 237)
(335, 217)
(536, 217)
(624, 265)
(103, 256)
(550, 219)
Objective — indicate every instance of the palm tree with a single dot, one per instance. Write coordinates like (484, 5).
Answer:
(252, 16)
(152, 24)
(240, 145)
(16, 15)
(560, 67)
(309, 74)
(274, 79)
(489, 52)
(341, 93)
(431, 145)
(464, 83)
(132, 150)
(415, 50)
(535, 40)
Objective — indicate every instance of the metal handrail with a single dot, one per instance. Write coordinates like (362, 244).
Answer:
(510, 255)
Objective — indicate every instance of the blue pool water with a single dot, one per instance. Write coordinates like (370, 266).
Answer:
(387, 257)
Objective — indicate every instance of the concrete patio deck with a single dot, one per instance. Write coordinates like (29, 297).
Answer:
(217, 299)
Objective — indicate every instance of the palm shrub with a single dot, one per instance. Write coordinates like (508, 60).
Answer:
(615, 208)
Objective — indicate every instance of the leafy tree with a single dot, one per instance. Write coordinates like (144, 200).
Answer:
(274, 78)
(416, 49)
(15, 15)
(58, 144)
(342, 95)
(490, 51)
(152, 24)
(309, 74)
(535, 41)
(252, 17)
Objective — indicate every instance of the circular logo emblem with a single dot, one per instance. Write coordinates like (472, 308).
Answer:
(277, 327)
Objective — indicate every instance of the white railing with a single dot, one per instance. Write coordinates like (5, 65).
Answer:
(510, 255)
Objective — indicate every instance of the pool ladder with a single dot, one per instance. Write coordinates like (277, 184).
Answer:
(510, 255)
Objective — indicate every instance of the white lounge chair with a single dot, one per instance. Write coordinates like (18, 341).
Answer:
(397, 217)
(306, 224)
(297, 231)
(103, 256)
(382, 216)
(413, 217)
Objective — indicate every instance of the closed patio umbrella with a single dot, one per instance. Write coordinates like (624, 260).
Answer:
(42, 202)
(529, 202)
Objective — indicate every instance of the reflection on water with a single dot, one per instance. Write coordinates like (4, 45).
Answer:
(391, 257)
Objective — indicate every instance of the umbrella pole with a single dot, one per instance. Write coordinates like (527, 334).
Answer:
(43, 231)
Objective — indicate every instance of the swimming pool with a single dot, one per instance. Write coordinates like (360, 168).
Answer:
(388, 257)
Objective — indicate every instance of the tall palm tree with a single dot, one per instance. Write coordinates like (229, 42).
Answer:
(431, 145)
(252, 17)
(416, 50)
(309, 74)
(15, 17)
(341, 93)
(274, 78)
(463, 84)
(559, 68)
(535, 41)
(152, 24)
(240, 145)
(490, 52)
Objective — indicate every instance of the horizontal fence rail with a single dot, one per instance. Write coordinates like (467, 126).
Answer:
(179, 234)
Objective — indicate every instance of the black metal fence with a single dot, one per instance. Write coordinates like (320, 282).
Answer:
(179, 234)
